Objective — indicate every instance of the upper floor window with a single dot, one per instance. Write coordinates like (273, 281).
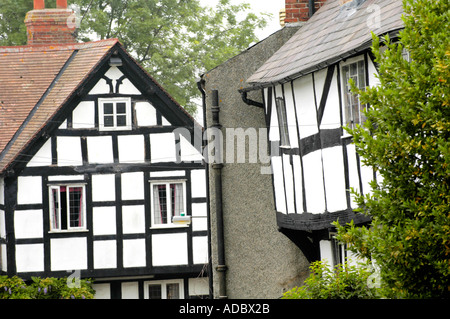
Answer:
(353, 108)
(171, 289)
(114, 114)
(67, 207)
(168, 200)
(282, 122)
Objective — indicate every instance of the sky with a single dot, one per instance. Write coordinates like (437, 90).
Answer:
(266, 6)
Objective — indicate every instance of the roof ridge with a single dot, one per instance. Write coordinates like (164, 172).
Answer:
(57, 46)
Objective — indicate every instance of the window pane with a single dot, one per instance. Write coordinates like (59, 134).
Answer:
(108, 108)
(55, 209)
(121, 120)
(75, 207)
(176, 193)
(108, 121)
(173, 291)
(154, 292)
(160, 204)
(121, 108)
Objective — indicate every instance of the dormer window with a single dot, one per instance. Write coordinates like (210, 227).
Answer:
(353, 108)
(114, 114)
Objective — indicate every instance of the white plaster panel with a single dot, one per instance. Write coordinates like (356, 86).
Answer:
(103, 188)
(373, 74)
(200, 249)
(43, 157)
(145, 114)
(83, 115)
(326, 254)
(314, 189)
(133, 219)
(30, 258)
(100, 88)
(63, 125)
(199, 214)
(105, 254)
(2, 224)
(331, 116)
(61, 178)
(319, 83)
(68, 254)
(134, 253)
(2, 191)
(133, 186)
(366, 178)
(297, 173)
(104, 220)
(164, 121)
(274, 131)
(28, 224)
(114, 73)
(278, 184)
(198, 286)
(169, 249)
(128, 88)
(102, 291)
(306, 108)
(188, 152)
(198, 183)
(29, 190)
(3, 258)
(69, 151)
(353, 172)
(131, 149)
(333, 167)
(168, 174)
(162, 147)
(288, 184)
(100, 149)
(130, 290)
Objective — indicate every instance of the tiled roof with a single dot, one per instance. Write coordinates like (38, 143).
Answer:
(35, 82)
(334, 32)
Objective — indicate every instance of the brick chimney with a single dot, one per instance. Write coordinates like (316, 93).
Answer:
(50, 26)
(300, 10)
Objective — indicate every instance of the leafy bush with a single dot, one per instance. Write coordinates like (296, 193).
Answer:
(44, 288)
(343, 282)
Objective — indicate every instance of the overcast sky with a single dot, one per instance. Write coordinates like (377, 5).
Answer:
(267, 6)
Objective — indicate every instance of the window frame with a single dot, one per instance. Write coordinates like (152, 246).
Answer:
(164, 284)
(101, 114)
(283, 126)
(51, 205)
(346, 93)
(168, 203)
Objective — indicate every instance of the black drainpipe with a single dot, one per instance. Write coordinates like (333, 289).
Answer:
(217, 177)
(312, 8)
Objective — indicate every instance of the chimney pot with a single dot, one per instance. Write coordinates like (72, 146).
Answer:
(39, 4)
(61, 4)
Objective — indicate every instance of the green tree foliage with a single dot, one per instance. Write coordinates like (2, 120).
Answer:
(45, 288)
(175, 40)
(406, 139)
(345, 281)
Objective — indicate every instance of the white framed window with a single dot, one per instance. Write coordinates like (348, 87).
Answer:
(167, 289)
(168, 200)
(353, 108)
(282, 122)
(67, 207)
(114, 114)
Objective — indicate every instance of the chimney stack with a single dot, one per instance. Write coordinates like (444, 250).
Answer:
(300, 10)
(50, 26)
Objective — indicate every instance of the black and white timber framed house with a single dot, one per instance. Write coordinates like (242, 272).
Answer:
(306, 99)
(95, 179)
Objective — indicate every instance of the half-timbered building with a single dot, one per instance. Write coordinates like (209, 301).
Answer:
(99, 175)
(307, 101)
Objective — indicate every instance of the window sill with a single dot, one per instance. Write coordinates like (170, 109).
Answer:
(168, 226)
(68, 231)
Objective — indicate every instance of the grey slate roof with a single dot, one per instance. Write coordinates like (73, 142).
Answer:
(333, 33)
